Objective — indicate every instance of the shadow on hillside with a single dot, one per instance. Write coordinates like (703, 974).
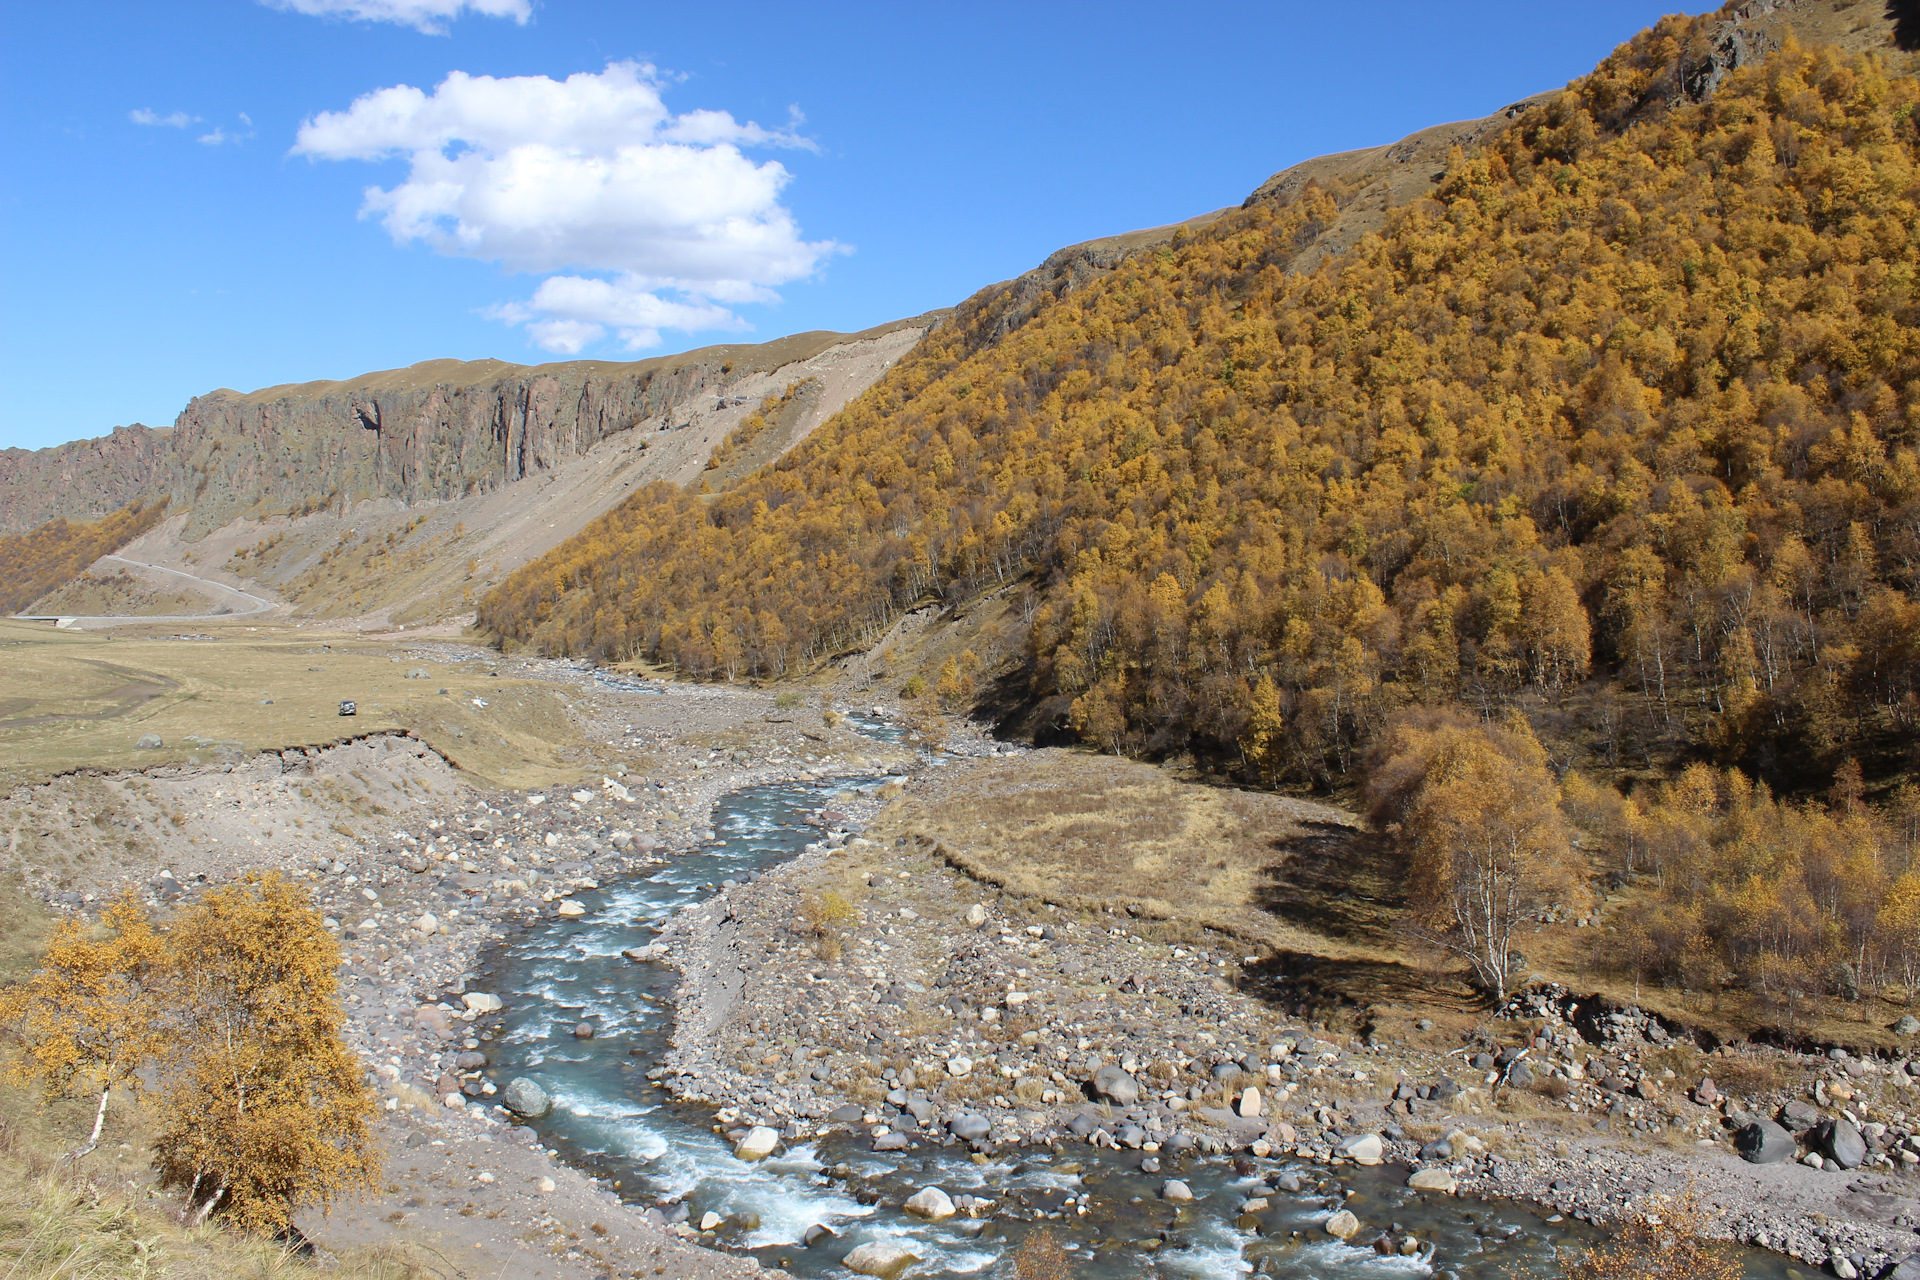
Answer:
(1337, 882)
(1310, 986)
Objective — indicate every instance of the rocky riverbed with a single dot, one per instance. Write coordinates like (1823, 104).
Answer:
(872, 988)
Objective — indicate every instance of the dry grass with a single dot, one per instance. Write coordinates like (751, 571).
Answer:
(64, 1227)
(1302, 884)
(79, 700)
(1092, 832)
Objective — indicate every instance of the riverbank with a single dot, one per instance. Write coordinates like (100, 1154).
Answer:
(419, 870)
(874, 987)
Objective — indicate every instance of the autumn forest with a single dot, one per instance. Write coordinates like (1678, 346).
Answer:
(1620, 430)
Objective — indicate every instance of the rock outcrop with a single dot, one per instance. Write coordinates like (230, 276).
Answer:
(432, 432)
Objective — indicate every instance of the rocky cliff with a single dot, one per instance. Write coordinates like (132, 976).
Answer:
(435, 431)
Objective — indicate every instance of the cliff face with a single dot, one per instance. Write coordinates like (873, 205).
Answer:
(435, 431)
(81, 480)
(433, 440)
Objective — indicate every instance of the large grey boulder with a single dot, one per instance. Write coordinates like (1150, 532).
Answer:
(970, 1127)
(1764, 1142)
(525, 1098)
(931, 1203)
(1840, 1142)
(149, 742)
(1112, 1083)
(1909, 1269)
(760, 1142)
(1799, 1116)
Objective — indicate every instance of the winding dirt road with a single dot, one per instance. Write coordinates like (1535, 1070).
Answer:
(255, 603)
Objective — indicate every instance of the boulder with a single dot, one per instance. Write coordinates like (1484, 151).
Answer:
(960, 1066)
(1249, 1103)
(1112, 1083)
(977, 916)
(1177, 1192)
(847, 1113)
(525, 1098)
(1908, 1269)
(1343, 1225)
(482, 1002)
(1798, 1116)
(891, 1142)
(430, 1017)
(882, 1258)
(428, 923)
(583, 1031)
(1907, 1026)
(149, 742)
(1363, 1148)
(1706, 1093)
(1763, 1142)
(970, 1127)
(569, 908)
(759, 1143)
(1432, 1180)
(817, 1233)
(930, 1203)
(1841, 1143)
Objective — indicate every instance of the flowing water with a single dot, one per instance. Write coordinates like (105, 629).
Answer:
(608, 1119)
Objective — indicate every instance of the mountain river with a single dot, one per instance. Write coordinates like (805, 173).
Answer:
(609, 1120)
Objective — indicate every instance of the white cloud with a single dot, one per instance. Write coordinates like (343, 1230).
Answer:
(593, 174)
(220, 135)
(566, 313)
(177, 120)
(429, 17)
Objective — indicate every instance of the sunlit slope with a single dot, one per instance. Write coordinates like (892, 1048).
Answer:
(1636, 392)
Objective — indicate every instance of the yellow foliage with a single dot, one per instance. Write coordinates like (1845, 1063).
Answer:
(1637, 393)
(91, 1013)
(34, 563)
(262, 1105)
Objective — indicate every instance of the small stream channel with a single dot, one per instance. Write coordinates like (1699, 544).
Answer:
(608, 1119)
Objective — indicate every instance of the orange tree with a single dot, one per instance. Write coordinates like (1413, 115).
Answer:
(1662, 1240)
(262, 1106)
(1480, 813)
(89, 1014)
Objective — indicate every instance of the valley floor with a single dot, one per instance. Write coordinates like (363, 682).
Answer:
(962, 978)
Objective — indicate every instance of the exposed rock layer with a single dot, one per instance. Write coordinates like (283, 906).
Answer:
(435, 431)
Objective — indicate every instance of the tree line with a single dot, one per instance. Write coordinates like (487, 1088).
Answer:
(1637, 405)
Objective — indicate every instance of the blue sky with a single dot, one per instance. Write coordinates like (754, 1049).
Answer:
(208, 193)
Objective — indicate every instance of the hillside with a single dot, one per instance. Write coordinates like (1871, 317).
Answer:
(31, 564)
(1631, 397)
(398, 496)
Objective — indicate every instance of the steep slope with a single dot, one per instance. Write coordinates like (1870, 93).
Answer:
(1633, 393)
(31, 564)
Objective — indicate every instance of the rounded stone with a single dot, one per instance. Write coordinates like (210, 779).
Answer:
(525, 1098)
(1342, 1225)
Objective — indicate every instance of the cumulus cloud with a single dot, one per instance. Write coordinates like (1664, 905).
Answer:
(427, 16)
(594, 174)
(176, 120)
